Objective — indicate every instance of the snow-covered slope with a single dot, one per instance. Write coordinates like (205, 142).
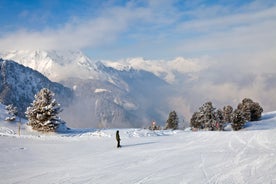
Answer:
(90, 155)
(19, 84)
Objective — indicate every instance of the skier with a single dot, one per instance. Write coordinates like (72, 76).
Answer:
(118, 139)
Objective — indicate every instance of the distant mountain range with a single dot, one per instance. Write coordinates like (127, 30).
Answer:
(129, 93)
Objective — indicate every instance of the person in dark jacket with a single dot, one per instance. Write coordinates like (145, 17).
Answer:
(118, 139)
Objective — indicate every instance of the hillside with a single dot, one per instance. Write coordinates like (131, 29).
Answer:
(91, 156)
(19, 84)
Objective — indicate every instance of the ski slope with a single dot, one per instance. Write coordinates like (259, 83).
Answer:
(90, 156)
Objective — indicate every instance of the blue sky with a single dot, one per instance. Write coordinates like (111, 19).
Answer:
(154, 29)
(234, 41)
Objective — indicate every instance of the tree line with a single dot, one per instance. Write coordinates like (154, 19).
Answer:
(43, 116)
(209, 118)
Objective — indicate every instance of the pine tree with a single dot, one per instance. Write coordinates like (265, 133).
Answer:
(208, 118)
(252, 110)
(196, 121)
(238, 119)
(172, 122)
(42, 114)
(208, 115)
(219, 120)
(227, 111)
(205, 118)
(256, 111)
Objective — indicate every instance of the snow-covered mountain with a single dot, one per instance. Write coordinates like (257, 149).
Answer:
(19, 84)
(168, 70)
(59, 65)
(106, 95)
(127, 98)
(56, 65)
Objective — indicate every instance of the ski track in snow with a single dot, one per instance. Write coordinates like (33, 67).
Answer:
(6, 131)
(90, 156)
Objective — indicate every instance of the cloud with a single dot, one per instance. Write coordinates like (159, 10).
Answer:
(72, 35)
(155, 29)
(227, 82)
(78, 33)
(166, 69)
(230, 33)
(112, 24)
(232, 93)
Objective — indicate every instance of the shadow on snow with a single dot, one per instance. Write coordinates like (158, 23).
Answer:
(138, 144)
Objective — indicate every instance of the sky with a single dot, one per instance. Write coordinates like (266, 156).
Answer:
(154, 29)
(234, 41)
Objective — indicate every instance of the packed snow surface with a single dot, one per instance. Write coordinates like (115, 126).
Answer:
(90, 155)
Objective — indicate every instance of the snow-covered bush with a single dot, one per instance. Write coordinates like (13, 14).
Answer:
(238, 120)
(172, 122)
(42, 114)
(252, 110)
(12, 111)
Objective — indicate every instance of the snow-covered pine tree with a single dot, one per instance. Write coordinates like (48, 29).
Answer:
(219, 123)
(198, 118)
(207, 118)
(208, 115)
(238, 119)
(256, 111)
(227, 111)
(172, 122)
(196, 121)
(12, 111)
(245, 108)
(43, 112)
(252, 110)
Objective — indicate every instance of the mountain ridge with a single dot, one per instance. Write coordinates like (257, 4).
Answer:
(19, 84)
(127, 97)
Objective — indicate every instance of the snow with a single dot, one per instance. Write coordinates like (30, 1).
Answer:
(100, 90)
(165, 69)
(165, 156)
(56, 65)
(125, 104)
